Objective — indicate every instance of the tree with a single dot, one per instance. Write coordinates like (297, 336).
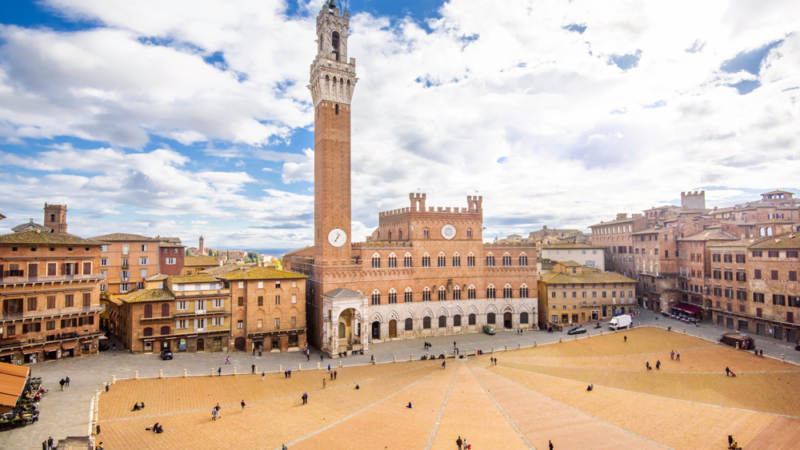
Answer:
(187, 253)
(252, 257)
(227, 255)
(210, 252)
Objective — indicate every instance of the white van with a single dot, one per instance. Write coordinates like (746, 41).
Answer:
(620, 322)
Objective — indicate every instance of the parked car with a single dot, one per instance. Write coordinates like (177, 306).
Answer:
(576, 330)
(166, 354)
(488, 329)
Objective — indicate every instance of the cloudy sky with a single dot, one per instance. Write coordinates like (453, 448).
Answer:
(190, 117)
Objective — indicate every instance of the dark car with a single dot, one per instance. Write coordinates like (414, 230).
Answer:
(576, 330)
(166, 354)
(488, 329)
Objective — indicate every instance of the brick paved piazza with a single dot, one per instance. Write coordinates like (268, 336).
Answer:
(531, 396)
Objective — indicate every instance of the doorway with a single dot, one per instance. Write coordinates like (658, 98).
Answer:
(164, 345)
(376, 330)
(392, 329)
(216, 344)
(148, 346)
(239, 343)
(201, 345)
(507, 320)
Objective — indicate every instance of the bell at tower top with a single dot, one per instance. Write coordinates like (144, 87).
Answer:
(333, 77)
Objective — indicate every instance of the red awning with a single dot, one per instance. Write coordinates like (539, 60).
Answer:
(68, 345)
(687, 308)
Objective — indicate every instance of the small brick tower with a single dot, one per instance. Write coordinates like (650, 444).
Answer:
(55, 217)
(201, 248)
(693, 200)
(333, 80)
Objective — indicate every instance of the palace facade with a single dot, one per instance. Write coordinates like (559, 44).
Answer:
(424, 271)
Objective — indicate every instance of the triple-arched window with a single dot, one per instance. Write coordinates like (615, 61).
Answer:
(392, 296)
(408, 297)
(523, 291)
(470, 260)
(523, 259)
(376, 261)
(407, 260)
(442, 293)
(490, 293)
(456, 260)
(442, 260)
(506, 260)
(426, 260)
(392, 261)
(490, 260)
(471, 295)
(426, 294)
(456, 293)
(507, 292)
(376, 298)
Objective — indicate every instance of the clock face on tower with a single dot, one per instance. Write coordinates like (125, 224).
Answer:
(448, 231)
(337, 237)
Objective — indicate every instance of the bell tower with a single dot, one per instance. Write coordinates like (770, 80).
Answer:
(55, 217)
(333, 79)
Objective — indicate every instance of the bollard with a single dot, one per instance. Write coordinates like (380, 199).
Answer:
(318, 367)
(255, 370)
(576, 337)
(684, 331)
(445, 354)
(534, 343)
(783, 358)
(737, 346)
(136, 375)
(519, 346)
(559, 340)
(160, 374)
(234, 370)
(410, 358)
(184, 373)
(340, 363)
(601, 332)
(113, 379)
(505, 348)
(212, 371)
(299, 367)
(395, 359)
(493, 349)
(375, 361)
(476, 352)
(640, 323)
(280, 368)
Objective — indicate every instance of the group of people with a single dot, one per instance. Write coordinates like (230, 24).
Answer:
(64, 382)
(675, 355)
(136, 407)
(658, 365)
(287, 374)
(427, 345)
(463, 444)
(156, 428)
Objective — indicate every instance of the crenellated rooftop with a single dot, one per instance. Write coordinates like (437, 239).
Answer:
(474, 206)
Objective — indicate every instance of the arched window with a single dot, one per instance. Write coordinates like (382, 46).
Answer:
(442, 321)
(442, 260)
(506, 260)
(376, 298)
(426, 294)
(471, 293)
(407, 260)
(523, 291)
(470, 260)
(408, 296)
(456, 260)
(165, 310)
(507, 292)
(392, 296)
(456, 293)
(335, 44)
(390, 235)
(409, 324)
(442, 293)
(52, 217)
(399, 235)
(392, 261)
(457, 320)
(148, 331)
(342, 330)
(469, 233)
(490, 260)
(376, 261)
(148, 311)
(523, 260)
(769, 231)
(426, 233)
(426, 323)
(471, 319)
(426, 260)
(523, 317)
(164, 330)
(490, 292)
(490, 319)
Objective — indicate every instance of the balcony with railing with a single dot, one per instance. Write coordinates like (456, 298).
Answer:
(203, 293)
(53, 312)
(39, 338)
(18, 277)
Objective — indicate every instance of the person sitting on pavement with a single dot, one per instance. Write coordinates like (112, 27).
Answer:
(136, 407)
(591, 387)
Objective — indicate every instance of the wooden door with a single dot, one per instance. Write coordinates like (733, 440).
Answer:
(392, 328)
(33, 270)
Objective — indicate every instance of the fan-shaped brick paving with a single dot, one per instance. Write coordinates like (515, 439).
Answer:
(530, 397)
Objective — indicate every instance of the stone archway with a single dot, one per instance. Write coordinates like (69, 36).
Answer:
(239, 343)
(507, 320)
(201, 345)
(376, 330)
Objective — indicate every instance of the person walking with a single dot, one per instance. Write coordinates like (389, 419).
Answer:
(254, 351)
(626, 338)
(443, 364)
(263, 375)
(335, 374)
(243, 405)
(658, 365)
(62, 383)
(308, 355)
(331, 376)
(321, 356)
(290, 373)
(672, 355)
(550, 445)
(50, 443)
(324, 383)
(305, 398)
(227, 360)
(677, 356)
(253, 367)
(219, 372)
(727, 372)
(466, 444)
(67, 380)
(648, 365)
(213, 414)
(459, 442)
(329, 368)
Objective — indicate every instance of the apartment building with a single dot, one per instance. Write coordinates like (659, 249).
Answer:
(584, 254)
(50, 292)
(180, 314)
(617, 237)
(269, 313)
(196, 264)
(126, 260)
(572, 293)
(171, 258)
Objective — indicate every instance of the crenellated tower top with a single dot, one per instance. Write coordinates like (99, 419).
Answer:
(333, 78)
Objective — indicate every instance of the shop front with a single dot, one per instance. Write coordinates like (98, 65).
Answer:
(31, 355)
(88, 347)
(68, 349)
(52, 351)
(10, 357)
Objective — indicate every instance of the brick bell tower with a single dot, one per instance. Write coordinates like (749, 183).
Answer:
(333, 79)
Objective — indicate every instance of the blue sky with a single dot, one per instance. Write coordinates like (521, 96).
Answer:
(183, 118)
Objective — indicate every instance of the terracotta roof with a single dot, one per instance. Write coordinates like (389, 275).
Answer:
(788, 240)
(199, 278)
(32, 237)
(157, 277)
(711, 234)
(649, 231)
(200, 261)
(584, 278)
(777, 192)
(343, 293)
(30, 226)
(170, 244)
(569, 263)
(567, 246)
(260, 273)
(614, 222)
(221, 270)
(147, 295)
(123, 237)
